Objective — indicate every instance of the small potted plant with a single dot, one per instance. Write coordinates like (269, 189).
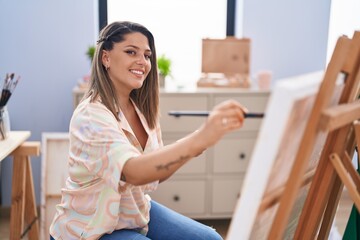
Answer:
(90, 52)
(164, 66)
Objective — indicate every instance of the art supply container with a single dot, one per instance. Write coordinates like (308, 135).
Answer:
(4, 123)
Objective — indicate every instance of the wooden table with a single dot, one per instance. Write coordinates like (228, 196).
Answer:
(23, 204)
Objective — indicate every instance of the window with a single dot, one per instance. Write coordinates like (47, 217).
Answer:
(344, 20)
(178, 27)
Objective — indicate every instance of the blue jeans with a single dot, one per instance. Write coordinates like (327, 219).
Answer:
(166, 224)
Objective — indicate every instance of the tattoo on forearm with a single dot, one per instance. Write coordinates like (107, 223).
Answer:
(177, 161)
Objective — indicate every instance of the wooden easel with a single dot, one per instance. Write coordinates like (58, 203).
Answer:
(334, 168)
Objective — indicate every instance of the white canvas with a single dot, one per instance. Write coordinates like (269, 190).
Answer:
(287, 93)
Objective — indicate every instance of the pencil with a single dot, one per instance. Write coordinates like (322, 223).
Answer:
(206, 113)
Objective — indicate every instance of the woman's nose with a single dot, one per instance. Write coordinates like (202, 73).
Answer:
(141, 60)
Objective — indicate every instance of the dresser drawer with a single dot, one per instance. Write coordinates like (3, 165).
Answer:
(184, 196)
(196, 165)
(181, 124)
(232, 155)
(225, 194)
(253, 104)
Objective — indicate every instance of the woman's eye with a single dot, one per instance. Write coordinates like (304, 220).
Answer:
(148, 57)
(130, 52)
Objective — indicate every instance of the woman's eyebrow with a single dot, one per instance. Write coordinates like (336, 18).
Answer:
(136, 47)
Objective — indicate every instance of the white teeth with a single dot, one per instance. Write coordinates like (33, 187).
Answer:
(137, 72)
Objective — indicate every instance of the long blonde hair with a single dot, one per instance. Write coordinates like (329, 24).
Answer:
(146, 98)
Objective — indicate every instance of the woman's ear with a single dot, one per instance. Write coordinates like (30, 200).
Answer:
(105, 58)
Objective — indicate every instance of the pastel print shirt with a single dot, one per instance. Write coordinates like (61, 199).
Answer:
(95, 201)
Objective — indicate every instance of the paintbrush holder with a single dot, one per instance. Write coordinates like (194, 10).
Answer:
(4, 123)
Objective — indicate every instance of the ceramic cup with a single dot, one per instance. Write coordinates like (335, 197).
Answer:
(264, 80)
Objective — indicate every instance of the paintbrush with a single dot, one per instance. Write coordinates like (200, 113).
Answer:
(8, 88)
(4, 92)
(206, 113)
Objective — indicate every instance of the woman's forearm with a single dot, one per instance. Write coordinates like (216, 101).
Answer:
(161, 164)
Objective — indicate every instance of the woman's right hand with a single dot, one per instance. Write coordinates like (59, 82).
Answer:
(225, 117)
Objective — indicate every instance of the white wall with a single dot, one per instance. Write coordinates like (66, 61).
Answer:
(288, 37)
(45, 42)
(344, 19)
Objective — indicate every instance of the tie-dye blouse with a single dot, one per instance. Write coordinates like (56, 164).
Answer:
(95, 201)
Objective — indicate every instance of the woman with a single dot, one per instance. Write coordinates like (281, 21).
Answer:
(116, 152)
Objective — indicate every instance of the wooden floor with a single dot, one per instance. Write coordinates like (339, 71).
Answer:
(221, 225)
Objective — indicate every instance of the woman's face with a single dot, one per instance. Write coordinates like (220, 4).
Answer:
(128, 62)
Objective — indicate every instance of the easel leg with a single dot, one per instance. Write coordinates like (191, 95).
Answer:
(346, 171)
(331, 208)
(342, 168)
(17, 198)
(31, 217)
(315, 203)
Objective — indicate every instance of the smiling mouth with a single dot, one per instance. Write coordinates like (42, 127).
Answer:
(137, 72)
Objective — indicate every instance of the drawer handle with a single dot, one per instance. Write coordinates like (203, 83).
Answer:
(242, 156)
(238, 195)
(176, 198)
